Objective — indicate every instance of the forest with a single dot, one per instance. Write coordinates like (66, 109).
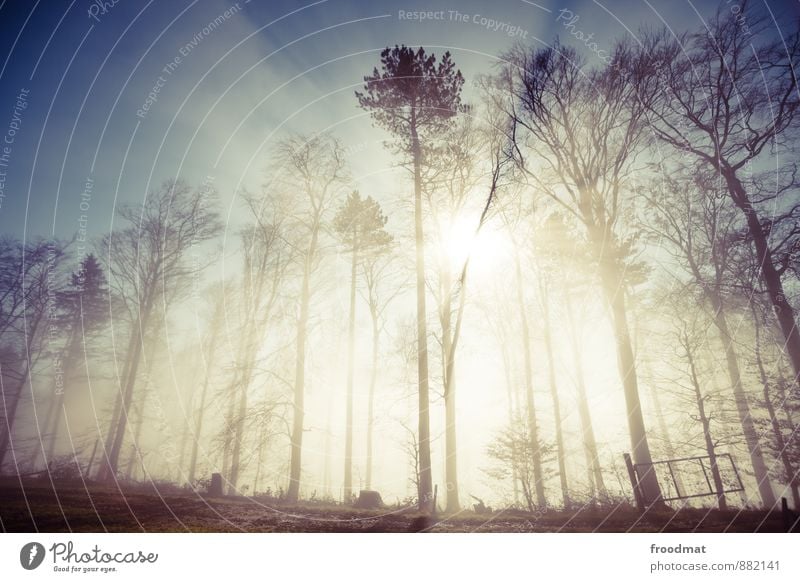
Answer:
(577, 312)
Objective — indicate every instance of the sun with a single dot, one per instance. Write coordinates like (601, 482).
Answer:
(488, 251)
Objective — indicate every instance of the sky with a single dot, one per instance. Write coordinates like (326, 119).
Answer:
(225, 92)
(102, 101)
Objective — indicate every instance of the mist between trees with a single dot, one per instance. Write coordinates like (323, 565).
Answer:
(583, 261)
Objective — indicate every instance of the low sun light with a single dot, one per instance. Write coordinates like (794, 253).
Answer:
(486, 251)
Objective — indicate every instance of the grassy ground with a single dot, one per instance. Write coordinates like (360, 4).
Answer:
(34, 506)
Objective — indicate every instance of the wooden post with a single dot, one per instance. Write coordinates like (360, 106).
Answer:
(637, 492)
(435, 494)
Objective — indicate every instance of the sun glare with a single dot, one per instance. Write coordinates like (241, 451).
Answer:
(487, 250)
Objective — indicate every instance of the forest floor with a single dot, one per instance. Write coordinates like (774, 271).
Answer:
(34, 506)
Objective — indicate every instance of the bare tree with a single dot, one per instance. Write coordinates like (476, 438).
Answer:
(584, 129)
(29, 284)
(312, 170)
(700, 231)
(512, 453)
(209, 354)
(266, 258)
(381, 288)
(148, 269)
(414, 99)
(360, 225)
(727, 99)
(689, 334)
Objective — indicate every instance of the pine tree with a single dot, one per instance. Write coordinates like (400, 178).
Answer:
(414, 99)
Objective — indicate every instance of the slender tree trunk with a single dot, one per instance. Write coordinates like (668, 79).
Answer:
(533, 428)
(511, 415)
(57, 414)
(200, 414)
(58, 409)
(227, 444)
(134, 357)
(663, 428)
(449, 383)
(784, 312)
(551, 368)
(10, 411)
(615, 296)
(295, 467)
(587, 428)
(248, 350)
(425, 492)
(706, 423)
(791, 473)
(351, 349)
(259, 460)
(742, 406)
(45, 435)
(790, 425)
(140, 413)
(182, 454)
(326, 471)
(239, 436)
(371, 399)
(137, 412)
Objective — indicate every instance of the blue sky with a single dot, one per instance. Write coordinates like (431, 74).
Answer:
(266, 69)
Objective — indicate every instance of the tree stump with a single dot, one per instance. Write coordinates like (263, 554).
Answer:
(215, 487)
(369, 500)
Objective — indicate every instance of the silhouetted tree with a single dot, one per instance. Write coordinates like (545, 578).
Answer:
(29, 286)
(84, 311)
(360, 225)
(414, 99)
(584, 130)
(726, 97)
(311, 170)
(148, 269)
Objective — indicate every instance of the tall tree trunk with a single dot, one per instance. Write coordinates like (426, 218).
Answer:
(742, 406)
(200, 414)
(102, 470)
(511, 415)
(138, 413)
(133, 356)
(784, 312)
(425, 489)
(663, 428)
(596, 480)
(351, 349)
(295, 466)
(373, 378)
(533, 428)
(790, 425)
(790, 472)
(45, 434)
(449, 383)
(10, 411)
(326, 471)
(248, 351)
(227, 444)
(59, 411)
(615, 296)
(551, 371)
(706, 423)
(238, 435)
